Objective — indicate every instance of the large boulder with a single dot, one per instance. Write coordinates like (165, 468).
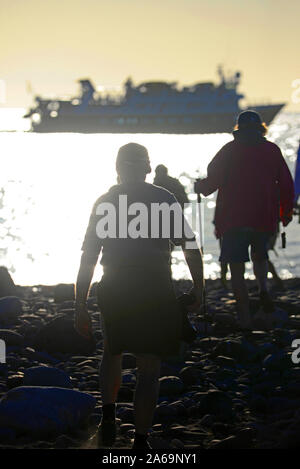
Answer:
(59, 335)
(11, 337)
(43, 411)
(10, 308)
(46, 376)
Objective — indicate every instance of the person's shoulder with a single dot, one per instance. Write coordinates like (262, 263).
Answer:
(272, 146)
(107, 196)
(160, 191)
(227, 147)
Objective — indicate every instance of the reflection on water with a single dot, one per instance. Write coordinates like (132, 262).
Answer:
(49, 182)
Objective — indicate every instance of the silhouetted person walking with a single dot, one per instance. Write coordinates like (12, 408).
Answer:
(251, 176)
(174, 186)
(136, 298)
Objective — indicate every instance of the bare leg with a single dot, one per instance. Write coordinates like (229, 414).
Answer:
(224, 270)
(261, 268)
(110, 375)
(277, 280)
(146, 392)
(240, 292)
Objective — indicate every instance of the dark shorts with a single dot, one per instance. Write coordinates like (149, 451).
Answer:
(236, 242)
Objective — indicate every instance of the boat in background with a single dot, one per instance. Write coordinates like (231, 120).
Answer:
(150, 107)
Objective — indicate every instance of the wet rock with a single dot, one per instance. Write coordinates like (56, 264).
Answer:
(128, 378)
(11, 337)
(125, 427)
(242, 440)
(59, 335)
(164, 411)
(47, 411)
(10, 310)
(277, 362)
(225, 361)
(207, 420)
(189, 375)
(46, 376)
(15, 381)
(170, 385)
(240, 350)
(125, 414)
(217, 403)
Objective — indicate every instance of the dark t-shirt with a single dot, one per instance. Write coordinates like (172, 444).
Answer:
(151, 242)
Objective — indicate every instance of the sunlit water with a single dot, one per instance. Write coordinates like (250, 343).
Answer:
(49, 182)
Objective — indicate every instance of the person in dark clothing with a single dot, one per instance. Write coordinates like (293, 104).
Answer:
(163, 179)
(251, 176)
(137, 301)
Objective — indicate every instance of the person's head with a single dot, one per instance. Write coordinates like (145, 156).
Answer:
(132, 163)
(161, 170)
(251, 120)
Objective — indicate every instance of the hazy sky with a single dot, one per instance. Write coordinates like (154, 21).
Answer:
(51, 43)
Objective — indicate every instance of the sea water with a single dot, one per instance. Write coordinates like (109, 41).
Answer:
(49, 182)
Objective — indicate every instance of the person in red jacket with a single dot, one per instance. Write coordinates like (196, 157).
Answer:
(255, 188)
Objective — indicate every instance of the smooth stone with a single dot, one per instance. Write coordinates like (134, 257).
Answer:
(36, 411)
(128, 378)
(15, 381)
(189, 375)
(59, 335)
(11, 337)
(225, 361)
(277, 362)
(170, 385)
(46, 376)
(217, 403)
(243, 440)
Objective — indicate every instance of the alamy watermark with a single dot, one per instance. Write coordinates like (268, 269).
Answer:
(296, 353)
(155, 221)
(2, 351)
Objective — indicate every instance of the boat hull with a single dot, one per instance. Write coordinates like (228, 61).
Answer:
(194, 124)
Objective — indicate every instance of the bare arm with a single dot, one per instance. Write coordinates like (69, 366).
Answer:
(194, 261)
(84, 277)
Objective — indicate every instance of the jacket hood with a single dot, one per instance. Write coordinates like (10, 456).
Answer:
(248, 137)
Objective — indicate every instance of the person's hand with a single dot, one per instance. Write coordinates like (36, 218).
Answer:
(83, 323)
(286, 219)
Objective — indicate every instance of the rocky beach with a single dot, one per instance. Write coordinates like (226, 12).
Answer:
(228, 390)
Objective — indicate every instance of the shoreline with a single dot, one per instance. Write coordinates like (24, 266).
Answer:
(227, 390)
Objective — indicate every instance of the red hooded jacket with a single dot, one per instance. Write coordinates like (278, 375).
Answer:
(255, 185)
